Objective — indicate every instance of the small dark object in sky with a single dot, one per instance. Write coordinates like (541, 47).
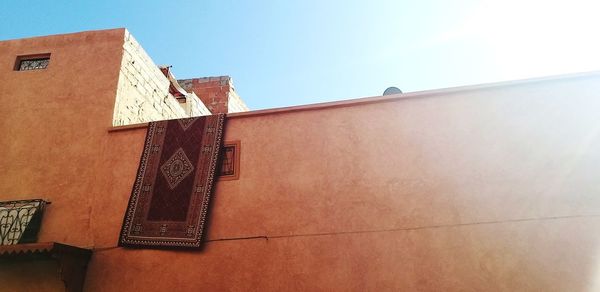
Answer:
(392, 90)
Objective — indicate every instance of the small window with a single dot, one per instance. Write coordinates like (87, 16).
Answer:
(32, 62)
(20, 221)
(230, 161)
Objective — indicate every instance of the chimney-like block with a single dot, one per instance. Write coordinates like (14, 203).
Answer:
(217, 93)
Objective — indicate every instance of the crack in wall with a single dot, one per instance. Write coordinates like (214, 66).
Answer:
(404, 228)
(267, 237)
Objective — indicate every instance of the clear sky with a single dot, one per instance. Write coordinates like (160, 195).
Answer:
(282, 53)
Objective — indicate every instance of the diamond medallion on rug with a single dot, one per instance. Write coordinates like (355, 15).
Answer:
(177, 168)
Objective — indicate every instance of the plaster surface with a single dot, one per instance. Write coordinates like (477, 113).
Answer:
(485, 190)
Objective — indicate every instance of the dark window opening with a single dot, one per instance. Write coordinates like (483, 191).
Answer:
(227, 167)
(230, 161)
(32, 62)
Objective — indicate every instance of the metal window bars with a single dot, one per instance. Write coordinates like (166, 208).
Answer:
(33, 64)
(228, 156)
(20, 221)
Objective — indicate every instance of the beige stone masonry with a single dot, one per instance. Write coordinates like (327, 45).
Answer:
(235, 103)
(143, 91)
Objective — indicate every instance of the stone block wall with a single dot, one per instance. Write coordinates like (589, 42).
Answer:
(235, 103)
(194, 106)
(143, 91)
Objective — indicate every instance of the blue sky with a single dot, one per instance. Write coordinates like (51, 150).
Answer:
(283, 53)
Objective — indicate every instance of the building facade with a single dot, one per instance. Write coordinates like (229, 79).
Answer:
(480, 188)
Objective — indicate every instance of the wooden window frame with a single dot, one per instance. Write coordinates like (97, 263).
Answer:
(31, 57)
(237, 146)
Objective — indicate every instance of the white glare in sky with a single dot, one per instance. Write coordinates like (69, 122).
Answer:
(535, 38)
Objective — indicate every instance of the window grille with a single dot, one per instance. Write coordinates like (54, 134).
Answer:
(32, 62)
(230, 161)
(20, 221)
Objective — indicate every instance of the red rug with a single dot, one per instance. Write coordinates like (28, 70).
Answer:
(171, 193)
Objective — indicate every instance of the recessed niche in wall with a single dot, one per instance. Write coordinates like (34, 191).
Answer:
(32, 62)
(230, 161)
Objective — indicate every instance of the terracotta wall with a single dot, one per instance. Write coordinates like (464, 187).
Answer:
(488, 189)
(492, 189)
(53, 126)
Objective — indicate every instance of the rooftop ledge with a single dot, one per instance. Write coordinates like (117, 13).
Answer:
(391, 98)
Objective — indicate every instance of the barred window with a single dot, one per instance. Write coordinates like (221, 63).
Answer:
(230, 161)
(32, 62)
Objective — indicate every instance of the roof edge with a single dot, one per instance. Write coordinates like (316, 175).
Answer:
(65, 34)
(415, 94)
(393, 98)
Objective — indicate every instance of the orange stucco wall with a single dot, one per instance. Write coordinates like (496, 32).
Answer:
(489, 189)
(53, 133)
(483, 190)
